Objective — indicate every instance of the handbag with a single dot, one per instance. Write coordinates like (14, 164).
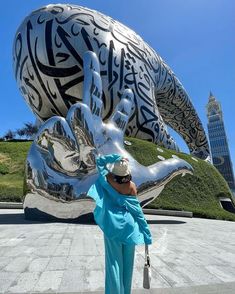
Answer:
(147, 269)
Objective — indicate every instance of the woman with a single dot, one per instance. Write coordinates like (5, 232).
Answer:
(119, 215)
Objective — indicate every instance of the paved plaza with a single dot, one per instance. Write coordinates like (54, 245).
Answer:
(188, 255)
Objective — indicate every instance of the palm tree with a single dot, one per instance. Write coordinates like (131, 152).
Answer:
(9, 135)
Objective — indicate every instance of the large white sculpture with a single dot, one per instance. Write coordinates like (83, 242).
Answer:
(65, 55)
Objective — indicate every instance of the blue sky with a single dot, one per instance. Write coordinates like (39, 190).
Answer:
(194, 37)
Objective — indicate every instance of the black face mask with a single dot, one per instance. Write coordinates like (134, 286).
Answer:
(122, 180)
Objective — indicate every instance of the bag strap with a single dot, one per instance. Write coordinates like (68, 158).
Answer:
(147, 258)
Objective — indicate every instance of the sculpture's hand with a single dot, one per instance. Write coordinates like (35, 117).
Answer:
(61, 161)
(105, 137)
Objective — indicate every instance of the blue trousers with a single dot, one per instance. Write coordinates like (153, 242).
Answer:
(119, 263)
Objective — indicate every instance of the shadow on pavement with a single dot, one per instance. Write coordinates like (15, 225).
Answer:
(19, 219)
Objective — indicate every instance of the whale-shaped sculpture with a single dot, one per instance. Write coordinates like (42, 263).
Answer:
(48, 64)
(90, 80)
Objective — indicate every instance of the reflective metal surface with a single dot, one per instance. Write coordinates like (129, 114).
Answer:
(61, 161)
(49, 68)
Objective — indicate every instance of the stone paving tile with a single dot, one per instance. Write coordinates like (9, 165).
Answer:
(45, 236)
(224, 273)
(85, 246)
(73, 280)
(38, 264)
(198, 275)
(56, 263)
(57, 236)
(18, 264)
(174, 278)
(49, 281)
(17, 251)
(37, 242)
(94, 280)
(61, 250)
(10, 242)
(45, 251)
(90, 262)
(52, 242)
(6, 280)
(3, 250)
(66, 241)
(24, 283)
(4, 261)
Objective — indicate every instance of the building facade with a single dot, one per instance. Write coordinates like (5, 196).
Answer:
(218, 141)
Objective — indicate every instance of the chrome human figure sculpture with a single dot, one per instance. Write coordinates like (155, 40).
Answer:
(61, 160)
(48, 63)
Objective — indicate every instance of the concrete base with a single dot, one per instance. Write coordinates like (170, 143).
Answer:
(11, 205)
(168, 212)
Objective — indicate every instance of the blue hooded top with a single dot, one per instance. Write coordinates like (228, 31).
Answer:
(119, 216)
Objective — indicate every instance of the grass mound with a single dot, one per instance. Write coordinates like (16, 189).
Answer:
(12, 163)
(198, 193)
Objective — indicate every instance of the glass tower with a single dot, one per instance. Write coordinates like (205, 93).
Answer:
(218, 141)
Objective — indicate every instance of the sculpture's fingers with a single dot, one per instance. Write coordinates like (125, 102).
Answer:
(92, 86)
(90, 61)
(80, 120)
(96, 104)
(122, 111)
(56, 143)
(152, 179)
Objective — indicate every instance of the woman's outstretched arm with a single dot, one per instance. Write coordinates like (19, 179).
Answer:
(102, 161)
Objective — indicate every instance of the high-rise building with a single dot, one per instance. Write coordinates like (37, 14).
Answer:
(218, 141)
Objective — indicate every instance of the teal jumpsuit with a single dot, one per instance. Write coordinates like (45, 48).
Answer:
(122, 221)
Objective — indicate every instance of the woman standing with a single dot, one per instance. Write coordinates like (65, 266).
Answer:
(119, 215)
